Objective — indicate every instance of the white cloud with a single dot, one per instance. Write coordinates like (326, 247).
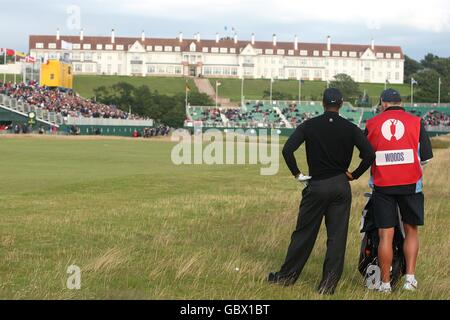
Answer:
(426, 15)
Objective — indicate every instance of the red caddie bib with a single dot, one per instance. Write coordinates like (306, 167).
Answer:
(394, 136)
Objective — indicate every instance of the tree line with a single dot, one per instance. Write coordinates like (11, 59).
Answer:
(164, 109)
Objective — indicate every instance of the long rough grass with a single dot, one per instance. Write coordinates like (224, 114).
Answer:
(142, 228)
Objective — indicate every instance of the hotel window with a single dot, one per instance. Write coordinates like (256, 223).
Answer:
(344, 53)
(99, 56)
(76, 56)
(291, 52)
(158, 48)
(259, 51)
(397, 76)
(305, 74)
(149, 48)
(52, 45)
(326, 53)
(89, 68)
(232, 50)
(233, 71)
(169, 69)
(109, 47)
(177, 70)
(335, 53)
(353, 54)
(396, 55)
(380, 55)
(388, 56)
(119, 47)
(215, 50)
(316, 53)
(39, 45)
(269, 51)
(135, 68)
(205, 50)
(292, 73)
(119, 68)
(280, 51)
(87, 56)
(397, 64)
(76, 46)
(207, 71)
(78, 67)
(99, 47)
(318, 74)
(151, 69)
(223, 50)
(87, 46)
(177, 49)
(168, 48)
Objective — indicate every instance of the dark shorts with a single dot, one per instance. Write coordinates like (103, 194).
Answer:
(385, 209)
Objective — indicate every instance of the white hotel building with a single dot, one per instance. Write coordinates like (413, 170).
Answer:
(222, 57)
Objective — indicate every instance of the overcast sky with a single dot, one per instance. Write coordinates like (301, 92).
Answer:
(419, 26)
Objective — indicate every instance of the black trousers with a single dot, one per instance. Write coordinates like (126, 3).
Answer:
(330, 198)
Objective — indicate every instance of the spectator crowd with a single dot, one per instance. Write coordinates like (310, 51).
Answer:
(67, 103)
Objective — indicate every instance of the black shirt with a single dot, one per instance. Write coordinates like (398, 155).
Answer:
(425, 153)
(330, 140)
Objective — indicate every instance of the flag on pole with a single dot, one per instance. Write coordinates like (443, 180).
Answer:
(218, 83)
(10, 52)
(66, 45)
(414, 82)
(187, 88)
(30, 59)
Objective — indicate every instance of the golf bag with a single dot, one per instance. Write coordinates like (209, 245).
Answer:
(368, 258)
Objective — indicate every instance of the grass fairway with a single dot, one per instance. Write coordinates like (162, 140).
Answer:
(142, 228)
(230, 88)
(311, 90)
(85, 84)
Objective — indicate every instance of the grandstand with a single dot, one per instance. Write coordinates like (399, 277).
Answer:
(263, 114)
(289, 114)
(62, 109)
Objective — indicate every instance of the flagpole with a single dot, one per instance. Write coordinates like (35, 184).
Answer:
(271, 83)
(439, 93)
(242, 91)
(299, 92)
(15, 76)
(412, 92)
(217, 93)
(186, 98)
(4, 71)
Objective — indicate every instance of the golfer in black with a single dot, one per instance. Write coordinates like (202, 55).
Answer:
(330, 140)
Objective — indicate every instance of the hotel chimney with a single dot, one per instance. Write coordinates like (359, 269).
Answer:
(296, 42)
(180, 36)
(57, 34)
(198, 36)
(235, 38)
(274, 39)
(113, 37)
(143, 36)
(81, 34)
(253, 39)
(217, 37)
(329, 43)
(373, 45)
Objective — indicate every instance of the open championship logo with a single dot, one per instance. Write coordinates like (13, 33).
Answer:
(393, 130)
